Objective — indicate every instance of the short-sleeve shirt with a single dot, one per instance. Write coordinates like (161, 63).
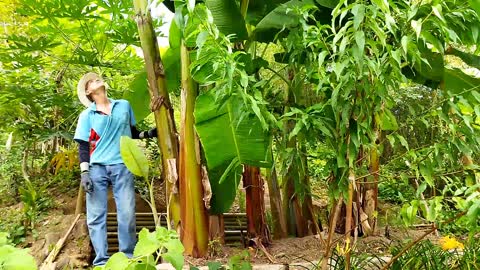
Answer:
(103, 131)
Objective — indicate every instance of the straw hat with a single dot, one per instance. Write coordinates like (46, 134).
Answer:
(81, 91)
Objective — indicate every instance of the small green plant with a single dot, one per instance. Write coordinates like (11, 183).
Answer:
(424, 255)
(215, 247)
(237, 262)
(35, 201)
(240, 261)
(12, 258)
(151, 246)
(469, 257)
(358, 261)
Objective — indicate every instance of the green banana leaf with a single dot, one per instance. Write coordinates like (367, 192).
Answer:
(224, 193)
(226, 15)
(138, 96)
(280, 18)
(228, 140)
(222, 129)
(458, 82)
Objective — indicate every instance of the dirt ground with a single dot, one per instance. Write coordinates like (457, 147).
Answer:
(310, 248)
(289, 250)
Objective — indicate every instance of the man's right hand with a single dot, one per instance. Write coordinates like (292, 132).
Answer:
(86, 182)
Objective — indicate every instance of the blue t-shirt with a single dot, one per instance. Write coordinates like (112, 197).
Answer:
(103, 131)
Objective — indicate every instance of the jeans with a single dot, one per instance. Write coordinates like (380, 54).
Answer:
(121, 180)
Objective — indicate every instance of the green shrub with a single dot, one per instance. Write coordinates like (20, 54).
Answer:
(10, 175)
(35, 202)
(396, 192)
(12, 223)
(12, 258)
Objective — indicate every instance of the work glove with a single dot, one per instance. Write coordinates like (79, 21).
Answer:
(152, 133)
(86, 182)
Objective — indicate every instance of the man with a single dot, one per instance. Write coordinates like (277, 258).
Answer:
(98, 133)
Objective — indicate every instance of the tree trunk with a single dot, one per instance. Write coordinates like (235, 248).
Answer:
(194, 215)
(279, 223)
(217, 228)
(254, 191)
(164, 120)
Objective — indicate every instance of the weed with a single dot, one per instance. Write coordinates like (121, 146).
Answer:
(215, 247)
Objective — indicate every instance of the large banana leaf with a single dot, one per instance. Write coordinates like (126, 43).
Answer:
(223, 194)
(171, 64)
(282, 17)
(226, 136)
(435, 67)
(229, 140)
(226, 15)
(138, 96)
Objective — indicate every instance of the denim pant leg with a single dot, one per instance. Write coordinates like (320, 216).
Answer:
(124, 194)
(97, 213)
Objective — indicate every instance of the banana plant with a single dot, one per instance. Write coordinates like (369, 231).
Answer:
(194, 183)
(166, 129)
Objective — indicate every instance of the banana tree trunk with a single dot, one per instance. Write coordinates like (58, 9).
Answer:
(255, 208)
(279, 223)
(292, 209)
(193, 212)
(164, 120)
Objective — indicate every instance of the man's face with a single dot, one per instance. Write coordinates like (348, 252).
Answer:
(95, 88)
(94, 85)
